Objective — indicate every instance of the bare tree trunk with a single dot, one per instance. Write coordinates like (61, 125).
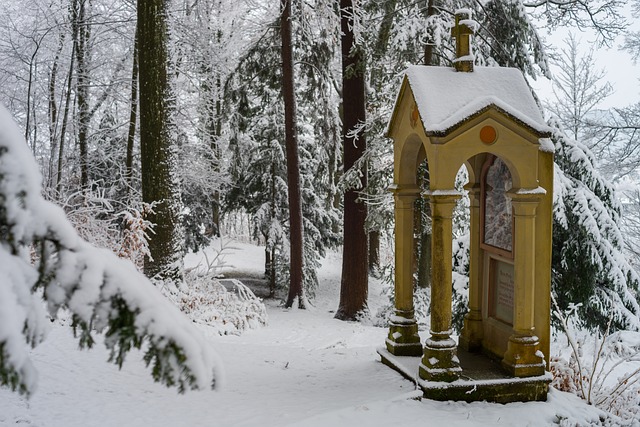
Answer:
(157, 155)
(215, 148)
(63, 129)
(27, 128)
(293, 167)
(81, 33)
(53, 109)
(132, 113)
(355, 279)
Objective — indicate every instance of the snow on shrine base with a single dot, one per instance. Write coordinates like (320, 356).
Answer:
(482, 379)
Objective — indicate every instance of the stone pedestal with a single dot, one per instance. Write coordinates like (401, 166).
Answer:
(403, 338)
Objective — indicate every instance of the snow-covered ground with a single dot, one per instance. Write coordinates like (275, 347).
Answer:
(304, 369)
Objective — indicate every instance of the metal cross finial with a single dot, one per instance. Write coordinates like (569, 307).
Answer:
(463, 28)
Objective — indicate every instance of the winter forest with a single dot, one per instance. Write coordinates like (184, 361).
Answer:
(197, 188)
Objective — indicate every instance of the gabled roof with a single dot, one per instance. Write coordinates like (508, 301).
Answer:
(447, 98)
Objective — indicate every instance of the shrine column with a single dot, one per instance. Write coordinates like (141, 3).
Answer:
(472, 331)
(522, 358)
(439, 361)
(403, 338)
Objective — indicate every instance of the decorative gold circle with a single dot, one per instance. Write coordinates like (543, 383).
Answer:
(488, 134)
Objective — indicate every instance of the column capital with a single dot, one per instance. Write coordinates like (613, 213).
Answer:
(404, 190)
(404, 195)
(526, 200)
(442, 202)
(442, 194)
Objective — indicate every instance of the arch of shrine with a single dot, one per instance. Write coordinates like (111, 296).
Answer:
(486, 119)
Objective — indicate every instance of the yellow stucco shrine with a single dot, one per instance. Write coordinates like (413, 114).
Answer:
(486, 119)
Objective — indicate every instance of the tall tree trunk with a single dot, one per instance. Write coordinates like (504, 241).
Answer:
(63, 129)
(53, 108)
(293, 167)
(27, 128)
(215, 148)
(81, 33)
(355, 280)
(132, 114)
(157, 156)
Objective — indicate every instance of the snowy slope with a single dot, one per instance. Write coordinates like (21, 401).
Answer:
(304, 369)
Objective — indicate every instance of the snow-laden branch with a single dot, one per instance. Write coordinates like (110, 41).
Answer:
(103, 292)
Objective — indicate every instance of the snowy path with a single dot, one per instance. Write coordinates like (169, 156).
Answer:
(304, 369)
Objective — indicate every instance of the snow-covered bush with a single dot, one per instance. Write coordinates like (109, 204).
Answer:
(134, 238)
(102, 292)
(603, 369)
(207, 301)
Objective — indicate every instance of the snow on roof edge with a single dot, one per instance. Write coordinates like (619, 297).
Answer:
(479, 106)
(447, 98)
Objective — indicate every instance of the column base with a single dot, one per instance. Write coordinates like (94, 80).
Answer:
(522, 358)
(439, 361)
(472, 333)
(403, 338)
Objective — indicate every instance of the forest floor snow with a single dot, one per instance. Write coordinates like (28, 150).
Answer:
(304, 369)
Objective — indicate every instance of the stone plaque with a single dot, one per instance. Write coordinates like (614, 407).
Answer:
(502, 290)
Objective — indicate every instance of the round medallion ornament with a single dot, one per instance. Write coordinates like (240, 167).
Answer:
(488, 135)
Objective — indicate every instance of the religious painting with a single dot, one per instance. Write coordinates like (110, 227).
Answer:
(497, 221)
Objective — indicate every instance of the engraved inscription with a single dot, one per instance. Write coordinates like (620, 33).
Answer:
(503, 290)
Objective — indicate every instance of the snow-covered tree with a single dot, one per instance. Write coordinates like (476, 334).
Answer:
(44, 261)
(257, 165)
(588, 263)
(578, 89)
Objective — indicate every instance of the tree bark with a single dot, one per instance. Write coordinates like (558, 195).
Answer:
(355, 280)
(63, 129)
(53, 108)
(156, 144)
(293, 166)
(132, 114)
(81, 34)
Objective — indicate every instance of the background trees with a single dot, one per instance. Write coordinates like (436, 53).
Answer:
(68, 73)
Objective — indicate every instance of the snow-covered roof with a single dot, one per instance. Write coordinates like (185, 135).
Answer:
(446, 97)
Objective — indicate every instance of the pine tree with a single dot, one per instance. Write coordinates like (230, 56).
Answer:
(589, 267)
(257, 164)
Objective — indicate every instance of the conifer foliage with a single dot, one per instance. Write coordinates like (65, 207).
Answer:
(589, 267)
(42, 260)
